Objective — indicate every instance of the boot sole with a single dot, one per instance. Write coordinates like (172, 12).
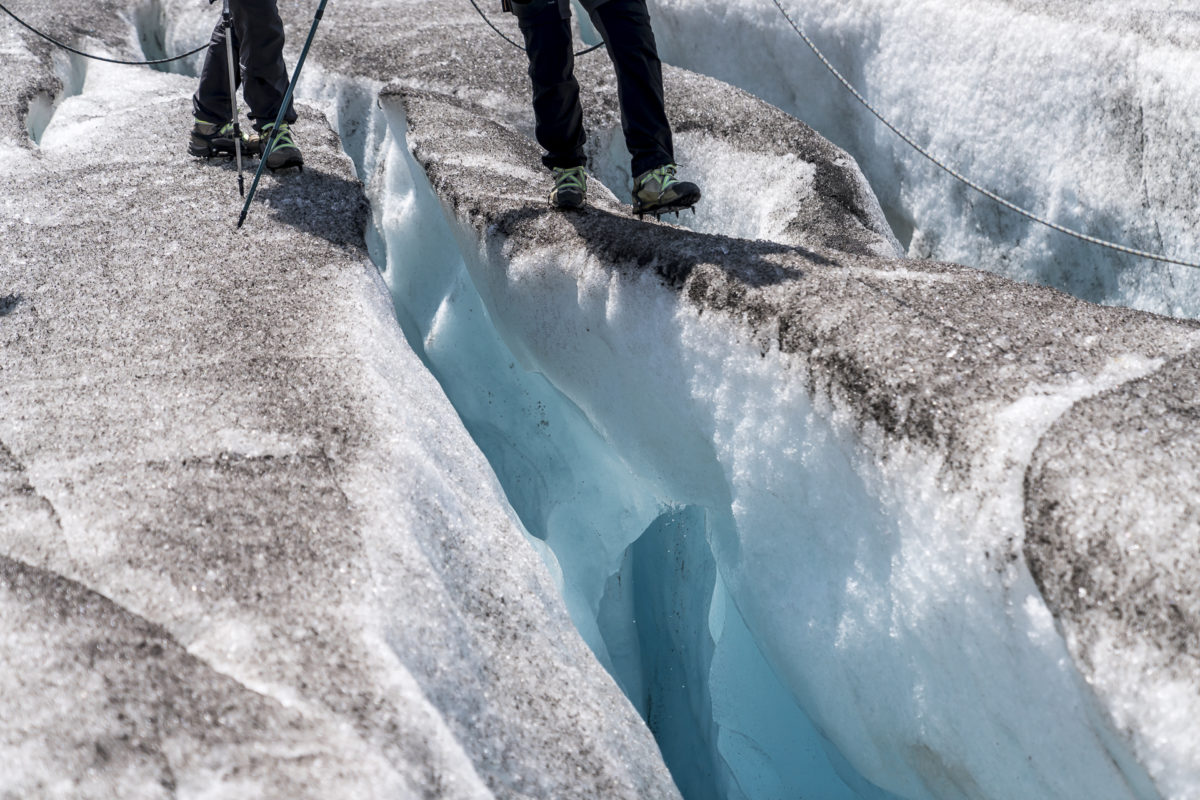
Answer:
(206, 151)
(298, 163)
(569, 205)
(681, 203)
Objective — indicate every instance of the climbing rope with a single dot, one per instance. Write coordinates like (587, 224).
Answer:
(68, 48)
(520, 46)
(1120, 248)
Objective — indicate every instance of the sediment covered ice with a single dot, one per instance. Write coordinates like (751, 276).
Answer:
(246, 547)
(838, 524)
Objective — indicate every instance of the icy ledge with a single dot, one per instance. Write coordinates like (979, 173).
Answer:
(853, 437)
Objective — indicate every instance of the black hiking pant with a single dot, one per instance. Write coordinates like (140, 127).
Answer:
(258, 66)
(625, 26)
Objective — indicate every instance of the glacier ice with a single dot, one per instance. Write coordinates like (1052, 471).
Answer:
(925, 623)
(1082, 112)
(821, 512)
(246, 547)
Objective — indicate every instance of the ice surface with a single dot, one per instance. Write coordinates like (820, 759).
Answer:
(1082, 112)
(782, 480)
(246, 547)
(871, 535)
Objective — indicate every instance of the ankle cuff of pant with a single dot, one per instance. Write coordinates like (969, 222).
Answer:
(644, 165)
(564, 163)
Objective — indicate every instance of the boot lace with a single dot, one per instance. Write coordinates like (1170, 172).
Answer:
(665, 175)
(218, 129)
(570, 178)
(281, 139)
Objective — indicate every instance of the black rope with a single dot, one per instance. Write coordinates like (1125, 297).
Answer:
(68, 48)
(519, 46)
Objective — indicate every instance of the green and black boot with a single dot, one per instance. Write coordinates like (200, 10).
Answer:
(658, 192)
(285, 153)
(216, 139)
(570, 187)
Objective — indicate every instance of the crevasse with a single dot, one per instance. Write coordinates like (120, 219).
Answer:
(638, 575)
(866, 638)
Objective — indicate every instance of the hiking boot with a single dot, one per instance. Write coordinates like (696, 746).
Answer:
(570, 187)
(285, 153)
(659, 191)
(216, 139)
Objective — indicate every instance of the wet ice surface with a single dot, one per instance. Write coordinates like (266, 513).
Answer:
(1085, 113)
(822, 513)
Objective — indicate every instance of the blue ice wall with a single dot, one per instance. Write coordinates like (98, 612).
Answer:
(638, 574)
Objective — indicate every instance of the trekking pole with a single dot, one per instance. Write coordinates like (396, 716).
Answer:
(287, 99)
(227, 20)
